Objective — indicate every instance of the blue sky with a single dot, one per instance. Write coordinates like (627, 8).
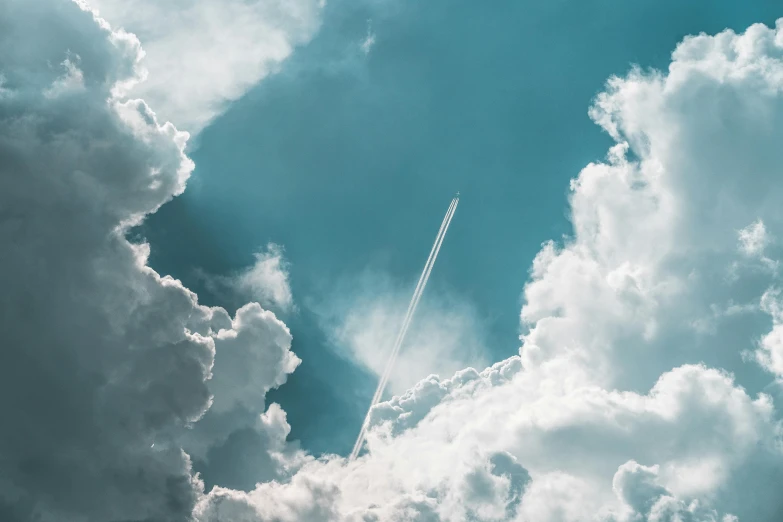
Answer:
(349, 160)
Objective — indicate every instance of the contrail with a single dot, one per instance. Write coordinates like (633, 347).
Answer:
(412, 306)
(416, 297)
(417, 293)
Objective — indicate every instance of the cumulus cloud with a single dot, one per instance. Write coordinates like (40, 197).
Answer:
(236, 442)
(620, 405)
(252, 356)
(199, 56)
(106, 363)
(644, 499)
(301, 499)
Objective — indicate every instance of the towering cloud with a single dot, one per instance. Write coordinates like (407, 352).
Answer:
(105, 362)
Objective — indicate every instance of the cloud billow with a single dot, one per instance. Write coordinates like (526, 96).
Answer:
(106, 363)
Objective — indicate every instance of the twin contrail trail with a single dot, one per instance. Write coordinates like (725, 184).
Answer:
(425, 275)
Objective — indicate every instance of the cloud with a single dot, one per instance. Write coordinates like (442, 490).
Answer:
(363, 317)
(199, 56)
(71, 80)
(267, 281)
(441, 467)
(620, 406)
(302, 499)
(770, 350)
(754, 238)
(369, 39)
(106, 363)
(239, 384)
(645, 499)
(236, 443)
(253, 355)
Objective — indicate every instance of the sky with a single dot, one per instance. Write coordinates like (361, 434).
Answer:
(349, 158)
(216, 211)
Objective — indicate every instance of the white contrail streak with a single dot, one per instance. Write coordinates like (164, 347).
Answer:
(406, 323)
(412, 305)
(417, 293)
(415, 302)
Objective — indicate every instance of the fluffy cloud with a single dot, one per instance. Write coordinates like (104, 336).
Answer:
(754, 239)
(301, 499)
(106, 363)
(770, 350)
(266, 281)
(645, 499)
(202, 55)
(631, 399)
(252, 356)
(654, 252)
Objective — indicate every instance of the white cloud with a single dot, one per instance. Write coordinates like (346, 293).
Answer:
(72, 80)
(571, 445)
(770, 350)
(363, 319)
(369, 39)
(267, 280)
(241, 384)
(202, 55)
(614, 308)
(644, 498)
(301, 499)
(253, 355)
(754, 239)
(4, 93)
(106, 363)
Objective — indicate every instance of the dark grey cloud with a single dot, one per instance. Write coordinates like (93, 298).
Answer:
(98, 362)
(105, 362)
